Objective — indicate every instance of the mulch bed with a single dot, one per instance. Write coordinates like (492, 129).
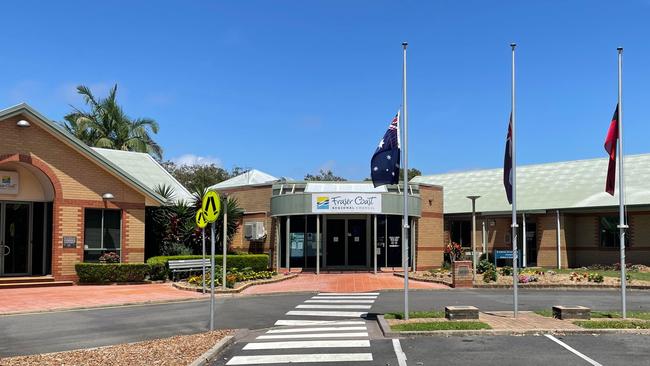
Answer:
(178, 350)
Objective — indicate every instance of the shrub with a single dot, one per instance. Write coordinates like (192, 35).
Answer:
(506, 271)
(490, 276)
(455, 251)
(595, 277)
(527, 278)
(174, 248)
(256, 262)
(111, 272)
(109, 257)
(484, 265)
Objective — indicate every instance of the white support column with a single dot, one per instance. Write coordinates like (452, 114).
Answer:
(288, 245)
(375, 245)
(559, 243)
(317, 244)
(413, 267)
(278, 240)
(484, 238)
(524, 241)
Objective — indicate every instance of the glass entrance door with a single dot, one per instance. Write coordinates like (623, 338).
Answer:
(335, 242)
(356, 244)
(14, 238)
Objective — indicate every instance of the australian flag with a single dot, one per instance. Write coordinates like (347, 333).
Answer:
(384, 165)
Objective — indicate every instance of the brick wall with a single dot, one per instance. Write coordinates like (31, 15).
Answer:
(78, 183)
(429, 229)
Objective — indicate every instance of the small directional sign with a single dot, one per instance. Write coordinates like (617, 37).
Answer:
(211, 206)
(201, 221)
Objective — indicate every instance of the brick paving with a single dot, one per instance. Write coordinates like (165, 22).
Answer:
(70, 297)
(526, 320)
(344, 282)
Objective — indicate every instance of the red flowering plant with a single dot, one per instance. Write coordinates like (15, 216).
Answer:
(454, 250)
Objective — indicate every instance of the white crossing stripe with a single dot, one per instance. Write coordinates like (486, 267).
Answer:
(337, 301)
(319, 358)
(310, 329)
(347, 293)
(591, 361)
(401, 356)
(314, 335)
(286, 322)
(358, 343)
(346, 314)
(344, 297)
(333, 306)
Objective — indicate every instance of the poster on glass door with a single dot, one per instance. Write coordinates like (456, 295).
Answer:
(346, 203)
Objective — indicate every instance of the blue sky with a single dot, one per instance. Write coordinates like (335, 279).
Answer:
(289, 87)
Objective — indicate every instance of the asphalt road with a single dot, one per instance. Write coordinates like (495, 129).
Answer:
(58, 331)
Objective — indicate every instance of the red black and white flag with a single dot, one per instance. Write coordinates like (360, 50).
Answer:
(507, 164)
(610, 147)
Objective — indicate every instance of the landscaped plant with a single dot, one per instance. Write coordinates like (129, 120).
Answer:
(490, 276)
(256, 262)
(109, 257)
(454, 250)
(111, 272)
(524, 278)
(484, 265)
(506, 271)
(595, 277)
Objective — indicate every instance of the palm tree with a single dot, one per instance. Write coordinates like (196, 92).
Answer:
(106, 125)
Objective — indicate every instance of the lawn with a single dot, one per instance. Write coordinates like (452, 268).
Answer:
(634, 275)
(613, 324)
(416, 314)
(441, 325)
(644, 315)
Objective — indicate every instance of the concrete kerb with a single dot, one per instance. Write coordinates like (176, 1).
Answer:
(219, 347)
(389, 333)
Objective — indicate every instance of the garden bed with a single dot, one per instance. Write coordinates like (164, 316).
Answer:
(239, 286)
(178, 350)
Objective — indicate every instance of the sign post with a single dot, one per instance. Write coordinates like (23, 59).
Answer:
(225, 242)
(201, 222)
(211, 207)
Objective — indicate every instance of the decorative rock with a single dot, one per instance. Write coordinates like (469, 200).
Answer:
(571, 312)
(461, 312)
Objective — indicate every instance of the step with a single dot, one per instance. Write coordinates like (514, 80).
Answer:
(26, 279)
(35, 284)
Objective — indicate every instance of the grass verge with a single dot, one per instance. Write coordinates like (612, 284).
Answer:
(644, 315)
(613, 324)
(442, 325)
(416, 314)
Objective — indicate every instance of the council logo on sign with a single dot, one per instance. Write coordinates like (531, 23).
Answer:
(322, 203)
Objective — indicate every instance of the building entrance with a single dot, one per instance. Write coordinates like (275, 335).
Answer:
(15, 238)
(347, 242)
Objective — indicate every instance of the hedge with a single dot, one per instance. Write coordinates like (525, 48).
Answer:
(111, 272)
(160, 269)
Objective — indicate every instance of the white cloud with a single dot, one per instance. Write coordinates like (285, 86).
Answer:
(191, 159)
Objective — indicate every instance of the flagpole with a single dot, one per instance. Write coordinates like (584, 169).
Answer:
(621, 182)
(405, 236)
(515, 254)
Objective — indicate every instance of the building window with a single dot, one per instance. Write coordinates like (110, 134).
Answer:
(102, 233)
(461, 232)
(609, 232)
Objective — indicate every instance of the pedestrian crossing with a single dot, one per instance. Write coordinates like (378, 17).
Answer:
(327, 328)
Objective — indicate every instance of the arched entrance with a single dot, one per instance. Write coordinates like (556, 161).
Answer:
(26, 210)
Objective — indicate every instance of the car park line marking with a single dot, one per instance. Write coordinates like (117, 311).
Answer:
(574, 351)
(314, 335)
(401, 356)
(348, 343)
(346, 314)
(334, 306)
(317, 297)
(318, 358)
(337, 301)
(348, 293)
(286, 322)
(310, 329)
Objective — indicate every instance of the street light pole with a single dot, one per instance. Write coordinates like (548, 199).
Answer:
(473, 198)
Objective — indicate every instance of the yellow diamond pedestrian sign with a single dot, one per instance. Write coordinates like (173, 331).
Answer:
(211, 206)
(201, 221)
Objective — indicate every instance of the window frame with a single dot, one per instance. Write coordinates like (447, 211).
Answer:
(617, 238)
(102, 249)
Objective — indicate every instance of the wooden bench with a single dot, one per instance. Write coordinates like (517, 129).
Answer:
(187, 265)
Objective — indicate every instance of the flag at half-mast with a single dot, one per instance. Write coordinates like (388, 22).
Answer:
(384, 165)
(610, 147)
(507, 164)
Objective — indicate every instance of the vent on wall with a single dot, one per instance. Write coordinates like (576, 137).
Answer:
(254, 231)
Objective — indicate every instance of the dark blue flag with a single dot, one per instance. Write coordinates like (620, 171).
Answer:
(384, 165)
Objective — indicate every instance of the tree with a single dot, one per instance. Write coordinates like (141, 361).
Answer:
(107, 125)
(196, 176)
(413, 172)
(324, 175)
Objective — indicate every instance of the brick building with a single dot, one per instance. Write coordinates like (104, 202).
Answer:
(349, 224)
(62, 202)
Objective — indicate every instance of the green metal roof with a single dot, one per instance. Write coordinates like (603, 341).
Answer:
(563, 185)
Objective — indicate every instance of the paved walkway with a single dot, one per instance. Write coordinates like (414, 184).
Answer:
(526, 320)
(347, 282)
(57, 298)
